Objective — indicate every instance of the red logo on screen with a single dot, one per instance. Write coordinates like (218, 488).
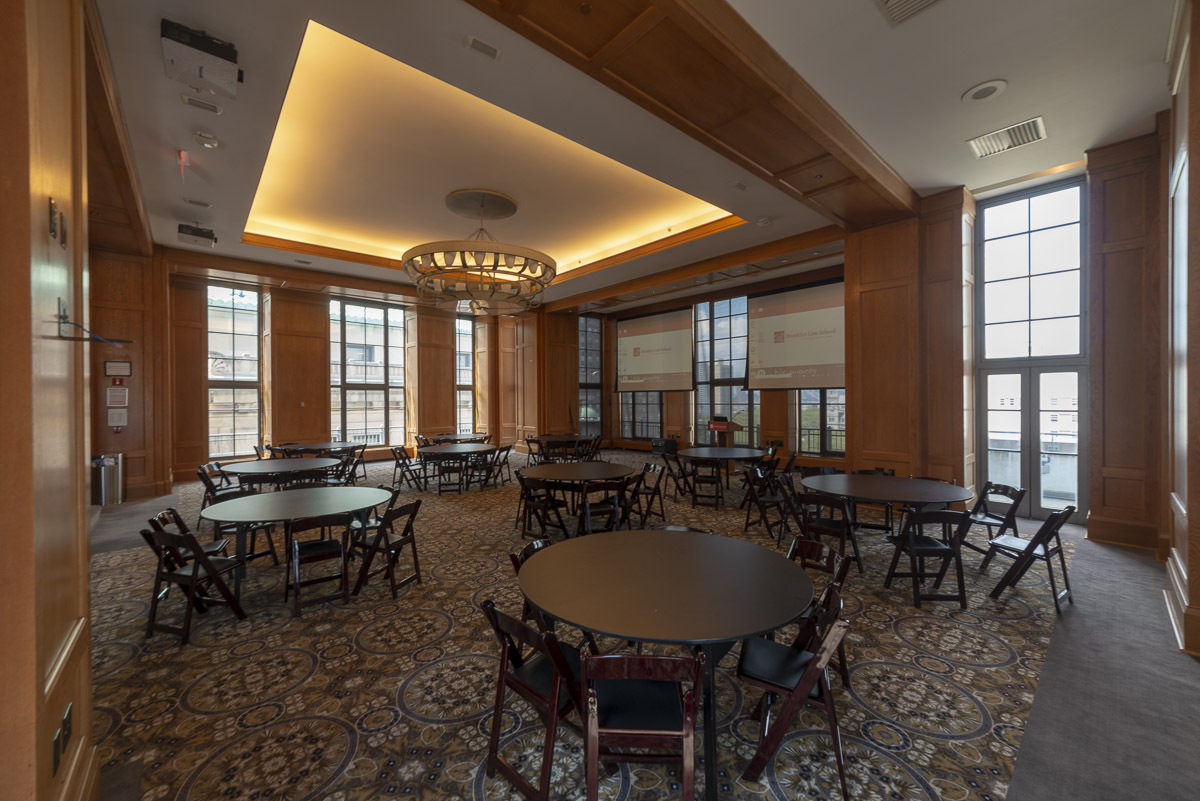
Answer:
(637, 351)
(778, 337)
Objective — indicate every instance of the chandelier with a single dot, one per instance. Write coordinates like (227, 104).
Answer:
(479, 275)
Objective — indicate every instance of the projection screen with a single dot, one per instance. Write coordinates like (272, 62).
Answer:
(797, 338)
(654, 353)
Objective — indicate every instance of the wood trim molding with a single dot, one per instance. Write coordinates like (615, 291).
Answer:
(103, 101)
(683, 237)
(821, 236)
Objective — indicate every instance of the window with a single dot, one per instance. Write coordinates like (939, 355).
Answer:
(721, 343)
(641, 415)
(464, 373)
(366, 373)
(822, 426)
(234, 391)
(1032, 250)
(590, 398)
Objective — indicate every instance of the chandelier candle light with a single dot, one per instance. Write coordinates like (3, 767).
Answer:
(478, 274)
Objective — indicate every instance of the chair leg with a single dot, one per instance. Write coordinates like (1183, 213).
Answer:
(591, 758)
(1062, 560)
(688, 769)
(891, 571)
(493, 754)
(836, 736)
(187, 615)
(548, 752)
(917, 573)
(1053, 586)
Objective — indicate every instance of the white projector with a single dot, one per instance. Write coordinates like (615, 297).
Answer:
(198, 60)
(192, 235)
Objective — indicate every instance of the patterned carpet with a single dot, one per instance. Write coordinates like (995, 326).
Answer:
(386, 699)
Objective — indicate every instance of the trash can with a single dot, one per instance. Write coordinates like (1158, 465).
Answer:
(108, 479)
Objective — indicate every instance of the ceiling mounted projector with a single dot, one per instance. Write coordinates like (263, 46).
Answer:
(198, 60)
(194, 235)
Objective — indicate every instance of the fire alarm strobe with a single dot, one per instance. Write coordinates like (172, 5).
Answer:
(198, 60)
(192, 235)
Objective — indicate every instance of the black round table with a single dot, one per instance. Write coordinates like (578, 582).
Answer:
(453, 450)
(559, 438)
(669, 587)
(286, 506)
(316, 447)
(280, 466)
(887, 489)
(734, 454)
(442, 439)
(579, 472)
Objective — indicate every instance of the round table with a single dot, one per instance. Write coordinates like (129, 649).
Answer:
(579, 472)
(887, 489)
(669, 587)
(316, 447)
(735, 454)
(442, 439)
(559, 438)
(280, 466)
(452, 450)
(286, 506)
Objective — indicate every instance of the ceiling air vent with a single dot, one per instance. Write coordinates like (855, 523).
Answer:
(898, 11)
(1010, 138)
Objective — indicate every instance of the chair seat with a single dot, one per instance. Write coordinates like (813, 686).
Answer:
(986, 519)
(925, 544)
(307, 549)
(639, 704)
(213, 548)
(219, 564)
(1017, 545)
(538, 673)
(774, 663)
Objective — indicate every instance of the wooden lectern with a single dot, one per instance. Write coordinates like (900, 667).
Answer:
(723, 429)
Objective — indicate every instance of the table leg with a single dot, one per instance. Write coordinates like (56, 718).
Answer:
(710, 722)
(239, 551)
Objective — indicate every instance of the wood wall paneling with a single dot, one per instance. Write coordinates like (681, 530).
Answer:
(883, 348)
(506, 379)
(560, 390)
(435, 377)
(295, 369)
(127, 294)
(485, 400)
(947, 353)
(773, 416)
(188, 303)
(1124, 342)
(45, 628)
(525, 342)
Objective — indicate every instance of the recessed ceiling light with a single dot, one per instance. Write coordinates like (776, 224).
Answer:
(984, 91)
(738, 185)
(816, 253)
(200, 104)
(783, 261)
(204, 204)
(763, 222)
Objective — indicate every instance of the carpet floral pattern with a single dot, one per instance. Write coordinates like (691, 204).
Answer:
(385, 698)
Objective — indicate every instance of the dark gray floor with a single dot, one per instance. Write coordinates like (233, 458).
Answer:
(117, 526)
(1117, 710)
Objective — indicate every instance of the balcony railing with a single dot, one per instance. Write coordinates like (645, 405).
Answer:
(835, 440)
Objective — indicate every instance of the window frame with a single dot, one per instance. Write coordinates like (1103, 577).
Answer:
(824, 432)
(233, 383)
(629, 415)
(459, 387)
(385, 386)
(588, 388)
(752, 432)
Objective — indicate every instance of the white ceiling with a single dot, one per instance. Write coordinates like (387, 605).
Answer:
(1093, 68)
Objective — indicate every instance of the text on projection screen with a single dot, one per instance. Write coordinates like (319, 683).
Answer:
(798, 339)
(654, 353)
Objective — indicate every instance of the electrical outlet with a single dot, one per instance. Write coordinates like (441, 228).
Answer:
(57, 751)
(66, 726)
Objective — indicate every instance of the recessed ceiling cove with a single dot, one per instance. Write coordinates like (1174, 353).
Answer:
(367, 148)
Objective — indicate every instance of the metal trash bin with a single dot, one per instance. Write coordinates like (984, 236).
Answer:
(108, 479)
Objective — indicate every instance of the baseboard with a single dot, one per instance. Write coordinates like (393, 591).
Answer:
(1122, 532)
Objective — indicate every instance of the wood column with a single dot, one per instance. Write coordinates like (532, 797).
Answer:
(430, 378)
(947, 337)
(487, 404)
(526, 376)
(45, 628)
(295, 369)
(1124, 283)
(1181, 345)
(128, 294)
(559, 373)
(883, 333)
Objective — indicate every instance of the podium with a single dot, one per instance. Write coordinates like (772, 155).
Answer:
(724, 428)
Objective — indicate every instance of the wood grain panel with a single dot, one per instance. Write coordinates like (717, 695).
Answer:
(507, 378)
(296, 366)
(525, 339)
(773, 411)
(560, 391)
(1124, 338)
(45, 628)
(701, 67)
(435, 372)
(486, 403)
(189, 401)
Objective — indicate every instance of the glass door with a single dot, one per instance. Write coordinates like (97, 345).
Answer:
(1032, 425)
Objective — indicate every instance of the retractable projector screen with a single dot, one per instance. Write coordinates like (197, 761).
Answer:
(797, 338)
(654, 353)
